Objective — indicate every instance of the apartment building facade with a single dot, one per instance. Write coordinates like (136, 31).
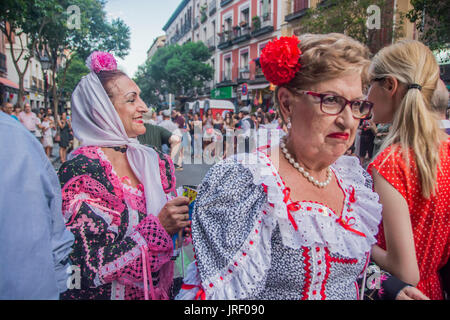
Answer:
(34, 79)
(246, 26)
(235, 31)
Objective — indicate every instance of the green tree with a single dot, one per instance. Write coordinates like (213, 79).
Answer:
(175, 69)
(73, 73)
(432, 20)
(350, 17)
(22, 22)
(61, 38)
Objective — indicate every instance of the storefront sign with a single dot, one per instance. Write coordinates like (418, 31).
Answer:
(222, 93)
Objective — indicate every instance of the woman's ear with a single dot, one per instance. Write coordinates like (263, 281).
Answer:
(284, 99)
(391, 85)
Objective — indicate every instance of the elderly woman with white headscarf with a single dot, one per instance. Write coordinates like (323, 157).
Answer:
(116, 193)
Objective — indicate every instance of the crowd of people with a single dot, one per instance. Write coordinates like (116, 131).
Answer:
(43, 125)
(297, 219)
(189, 132)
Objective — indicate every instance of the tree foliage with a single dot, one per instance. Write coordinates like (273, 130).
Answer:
(61, 38)
(350, 17)
(432, 18)
(50, 29)
(174, 69)
(22, 22)
(73, 74)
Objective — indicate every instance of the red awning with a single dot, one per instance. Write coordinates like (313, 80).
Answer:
(9, 83)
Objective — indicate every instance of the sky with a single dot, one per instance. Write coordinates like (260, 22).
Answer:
(146, 18)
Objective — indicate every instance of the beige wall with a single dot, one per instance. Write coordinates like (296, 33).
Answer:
(409, 28)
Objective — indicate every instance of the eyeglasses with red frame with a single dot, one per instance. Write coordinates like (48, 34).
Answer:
(334, 104)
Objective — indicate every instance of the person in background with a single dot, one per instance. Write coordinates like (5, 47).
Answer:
(9, 110)
(47, 135)
(34, 242)
(53, 127)
(169, 125)
(150, 118)
(254, 118)
(439, 103)
(159, 117)
(246, 132)
(17, 111)
(65, 127)
(366, 141)
(156, 136)
(41, 113)
(197, 137)
(28, 118)
(411, 174)
(381, 132)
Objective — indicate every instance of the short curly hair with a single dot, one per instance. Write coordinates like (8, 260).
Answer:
(326, 57)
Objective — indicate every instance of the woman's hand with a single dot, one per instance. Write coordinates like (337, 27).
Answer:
(411, 293)
(175, 215)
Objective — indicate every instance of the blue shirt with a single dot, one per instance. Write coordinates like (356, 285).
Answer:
(34, 242)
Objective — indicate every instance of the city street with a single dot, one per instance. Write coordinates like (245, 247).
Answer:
(192, 174)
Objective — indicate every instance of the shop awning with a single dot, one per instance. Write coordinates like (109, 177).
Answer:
(258, 86)
(8, 83)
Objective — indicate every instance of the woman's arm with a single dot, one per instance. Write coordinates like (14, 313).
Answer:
(400, 256)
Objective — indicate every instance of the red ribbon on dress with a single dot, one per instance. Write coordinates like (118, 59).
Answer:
(352, 195)
(294, 206)
(348, 226)
(200, 293)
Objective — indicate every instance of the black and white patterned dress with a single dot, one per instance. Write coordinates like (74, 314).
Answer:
(252, 242)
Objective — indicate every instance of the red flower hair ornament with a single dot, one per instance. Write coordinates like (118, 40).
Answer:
(280, 60)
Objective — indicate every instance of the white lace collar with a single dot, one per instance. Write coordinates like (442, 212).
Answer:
(314, 224)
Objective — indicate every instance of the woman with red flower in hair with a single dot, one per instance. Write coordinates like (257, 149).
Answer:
(298, 220)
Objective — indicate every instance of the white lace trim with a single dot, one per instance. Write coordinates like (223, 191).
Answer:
(317, 226)
(245, 272)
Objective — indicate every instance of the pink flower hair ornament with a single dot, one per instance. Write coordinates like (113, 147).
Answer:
(101, 61)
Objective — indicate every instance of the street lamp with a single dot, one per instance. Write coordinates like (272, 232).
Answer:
(46, 65)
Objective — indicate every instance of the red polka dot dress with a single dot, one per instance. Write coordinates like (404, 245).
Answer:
(429, 217)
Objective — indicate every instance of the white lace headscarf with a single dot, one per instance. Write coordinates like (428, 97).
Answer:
(95, 122)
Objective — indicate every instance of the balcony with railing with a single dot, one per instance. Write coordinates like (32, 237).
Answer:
(241, 33)
(185, 28)
(225, 39)
(262, 25)
(299, 9)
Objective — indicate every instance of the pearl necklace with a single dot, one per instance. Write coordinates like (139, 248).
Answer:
(303, 171)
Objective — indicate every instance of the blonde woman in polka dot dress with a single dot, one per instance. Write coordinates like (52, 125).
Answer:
(411, 172)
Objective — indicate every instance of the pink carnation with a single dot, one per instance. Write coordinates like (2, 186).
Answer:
(101, 61)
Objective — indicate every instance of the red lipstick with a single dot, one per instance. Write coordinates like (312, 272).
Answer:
(339, 135)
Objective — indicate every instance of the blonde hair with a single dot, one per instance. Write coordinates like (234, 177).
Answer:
(414, 125)
(326, 57)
